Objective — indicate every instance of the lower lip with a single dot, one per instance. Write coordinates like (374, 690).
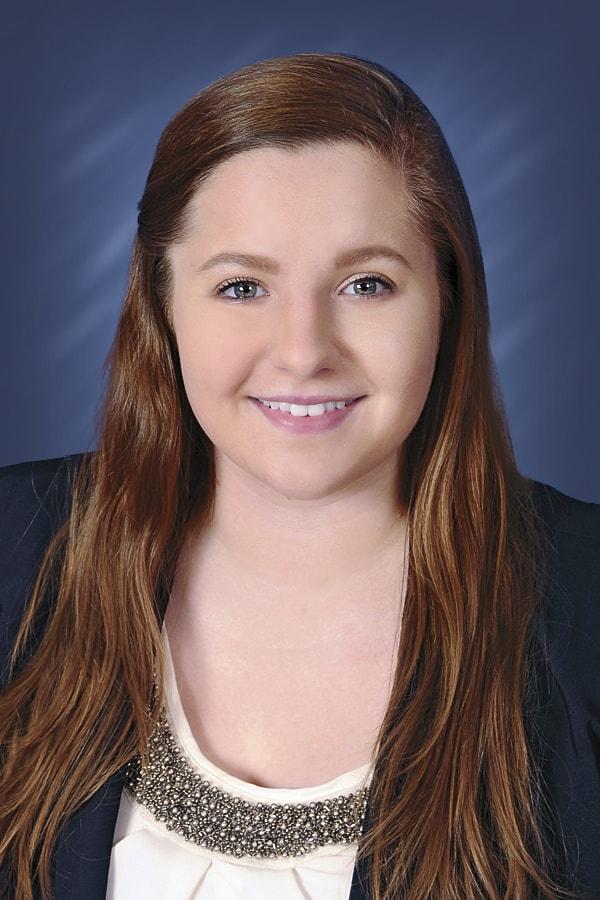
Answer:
(307, 424)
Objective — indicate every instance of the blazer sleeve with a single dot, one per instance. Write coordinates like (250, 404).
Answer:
(34, 502)
(569, 718)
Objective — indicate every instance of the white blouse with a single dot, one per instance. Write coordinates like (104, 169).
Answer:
(150, 862)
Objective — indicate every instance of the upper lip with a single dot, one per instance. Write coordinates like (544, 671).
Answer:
(307, 401)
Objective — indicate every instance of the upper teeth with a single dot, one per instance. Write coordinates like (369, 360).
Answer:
(297, 409)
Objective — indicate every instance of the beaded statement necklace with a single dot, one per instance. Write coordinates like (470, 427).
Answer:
(188, 804)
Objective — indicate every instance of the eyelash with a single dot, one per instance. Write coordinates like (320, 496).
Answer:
(369, 276)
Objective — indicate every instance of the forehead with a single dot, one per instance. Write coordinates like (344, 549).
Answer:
(347, 176)
(312, 202)
(305, 161)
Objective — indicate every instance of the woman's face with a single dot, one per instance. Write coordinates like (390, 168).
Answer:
(304, 321)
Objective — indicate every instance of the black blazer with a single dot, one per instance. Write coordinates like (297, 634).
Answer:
(34, 500)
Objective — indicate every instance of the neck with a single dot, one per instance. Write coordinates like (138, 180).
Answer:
(294, 560)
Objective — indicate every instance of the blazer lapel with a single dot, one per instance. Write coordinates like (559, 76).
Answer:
(360, 881)
(84, 846)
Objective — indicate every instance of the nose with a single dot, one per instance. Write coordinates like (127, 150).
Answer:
(304, 338)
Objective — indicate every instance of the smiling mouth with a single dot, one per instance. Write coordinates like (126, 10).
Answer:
(309, 401)
(301, 410)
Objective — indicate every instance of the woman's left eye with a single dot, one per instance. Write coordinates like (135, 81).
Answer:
(362, 281)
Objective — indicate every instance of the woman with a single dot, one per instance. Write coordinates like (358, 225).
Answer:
(301, 570)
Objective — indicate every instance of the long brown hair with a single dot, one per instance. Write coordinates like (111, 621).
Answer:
(456, 803)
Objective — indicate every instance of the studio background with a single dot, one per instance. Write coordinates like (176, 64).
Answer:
(88, 89)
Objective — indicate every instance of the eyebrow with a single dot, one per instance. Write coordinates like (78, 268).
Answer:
(266, 264)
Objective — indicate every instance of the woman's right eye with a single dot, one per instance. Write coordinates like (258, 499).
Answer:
(234, 282)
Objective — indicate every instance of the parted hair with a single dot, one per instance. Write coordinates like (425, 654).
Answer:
(457, 809)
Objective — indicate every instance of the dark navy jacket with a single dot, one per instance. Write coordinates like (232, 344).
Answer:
(34, 500)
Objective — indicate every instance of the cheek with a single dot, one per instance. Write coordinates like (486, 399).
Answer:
(202, 346)
(407, 362)
(204, 382)
(213, 365)
(201, 359)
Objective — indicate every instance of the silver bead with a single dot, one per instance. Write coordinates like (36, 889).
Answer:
(188, 804)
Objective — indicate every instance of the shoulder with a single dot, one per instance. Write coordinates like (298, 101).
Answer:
(34, 502)
(565, 514)
(572, 528)
(28, 485)
(572, 594)
(570, 627)
(567, 716)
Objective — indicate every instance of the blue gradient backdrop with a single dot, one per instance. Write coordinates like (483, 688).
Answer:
(88, 88)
